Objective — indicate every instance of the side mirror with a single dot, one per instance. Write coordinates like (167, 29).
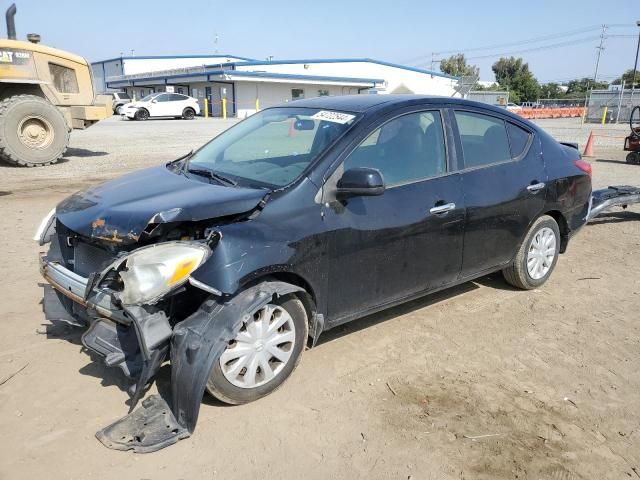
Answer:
(360, 182)
(154, 101)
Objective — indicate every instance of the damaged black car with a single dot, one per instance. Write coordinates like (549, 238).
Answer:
(228, 262)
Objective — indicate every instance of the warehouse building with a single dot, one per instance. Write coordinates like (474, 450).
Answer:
(239, 86)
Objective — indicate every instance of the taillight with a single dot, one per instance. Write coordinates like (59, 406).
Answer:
(584, 166)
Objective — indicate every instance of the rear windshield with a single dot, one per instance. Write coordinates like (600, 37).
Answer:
(123, 96)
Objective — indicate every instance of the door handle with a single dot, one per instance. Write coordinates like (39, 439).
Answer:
(536, 187)
(440, 209)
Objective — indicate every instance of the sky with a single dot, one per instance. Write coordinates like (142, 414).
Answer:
(399, 31)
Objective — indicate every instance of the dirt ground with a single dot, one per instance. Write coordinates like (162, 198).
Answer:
(477, 382)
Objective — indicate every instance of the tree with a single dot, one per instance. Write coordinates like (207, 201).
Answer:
(514, 74)
(457, 66)
(580, 86)
(628, 78)
(551, 90)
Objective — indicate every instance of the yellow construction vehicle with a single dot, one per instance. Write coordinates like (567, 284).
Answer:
(44, 94)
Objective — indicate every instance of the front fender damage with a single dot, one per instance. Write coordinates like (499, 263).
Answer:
(197, 342)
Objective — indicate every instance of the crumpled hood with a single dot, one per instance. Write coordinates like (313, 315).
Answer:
(120, 209)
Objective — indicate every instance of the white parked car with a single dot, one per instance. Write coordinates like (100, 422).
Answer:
(513, 107)
(161, 104)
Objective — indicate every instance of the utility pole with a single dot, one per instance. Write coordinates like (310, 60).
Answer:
(635, 65)
(600, 48)
(595, 74)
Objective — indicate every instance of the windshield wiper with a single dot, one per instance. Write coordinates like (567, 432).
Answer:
(214, 175)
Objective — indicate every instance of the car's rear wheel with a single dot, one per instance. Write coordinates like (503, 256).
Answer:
(536, 257)
(142, 114)
(188, 113)
(265, 352)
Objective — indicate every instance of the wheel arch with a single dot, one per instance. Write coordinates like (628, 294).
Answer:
(560, 219)
(307, 295)
(12, 89)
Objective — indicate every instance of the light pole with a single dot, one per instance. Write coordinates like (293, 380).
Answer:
(635, 65)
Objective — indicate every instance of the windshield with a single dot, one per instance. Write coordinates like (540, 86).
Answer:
(272, 148)
(148, 98)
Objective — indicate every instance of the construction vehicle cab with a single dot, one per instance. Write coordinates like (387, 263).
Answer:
(44, 94)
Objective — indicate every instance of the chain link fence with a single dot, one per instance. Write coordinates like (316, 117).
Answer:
(614, 106)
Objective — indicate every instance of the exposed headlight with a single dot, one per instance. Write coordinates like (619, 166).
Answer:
(151, 272)
(46, 228)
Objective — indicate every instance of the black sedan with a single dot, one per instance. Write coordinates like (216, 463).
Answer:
(230, 260)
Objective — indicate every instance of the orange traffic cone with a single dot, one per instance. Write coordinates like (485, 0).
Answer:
(588, 149)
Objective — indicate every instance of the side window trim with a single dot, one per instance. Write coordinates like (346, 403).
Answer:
(527, 147)
(461, 164)
(335, 168)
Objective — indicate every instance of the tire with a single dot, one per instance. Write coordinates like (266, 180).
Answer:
(188, 113)
(142, 114)
(220, 383)
(33, 132)
(118, 110)
(528, 271)
(633, 158)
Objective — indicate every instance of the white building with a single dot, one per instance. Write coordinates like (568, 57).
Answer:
(248, 85)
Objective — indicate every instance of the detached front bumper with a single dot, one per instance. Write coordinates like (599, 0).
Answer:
(134, 338)
(139, 338)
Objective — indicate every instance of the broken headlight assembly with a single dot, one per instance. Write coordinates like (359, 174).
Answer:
(46, 228)
(151, 272)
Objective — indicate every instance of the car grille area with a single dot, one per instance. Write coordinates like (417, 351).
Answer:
(88, 259)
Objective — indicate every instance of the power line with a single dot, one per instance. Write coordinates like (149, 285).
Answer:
(533, 49)
(523, 42)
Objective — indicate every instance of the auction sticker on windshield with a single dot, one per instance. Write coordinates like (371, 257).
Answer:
(336, 117)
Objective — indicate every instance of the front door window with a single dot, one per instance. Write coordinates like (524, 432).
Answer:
(406, 149)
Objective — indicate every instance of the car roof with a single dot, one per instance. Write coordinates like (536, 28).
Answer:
(372, 102)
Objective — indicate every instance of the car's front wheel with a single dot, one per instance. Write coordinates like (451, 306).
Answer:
(264, 353)
(142, 114)
(536, 257)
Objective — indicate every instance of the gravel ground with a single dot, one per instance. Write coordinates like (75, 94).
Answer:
(476, 382)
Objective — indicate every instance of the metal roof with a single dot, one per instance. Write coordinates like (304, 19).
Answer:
(208, 73)
(347, 60)
(170, 57)
(252, 62)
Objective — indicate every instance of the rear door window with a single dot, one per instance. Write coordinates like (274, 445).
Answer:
(518, 139)
(484, 139)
